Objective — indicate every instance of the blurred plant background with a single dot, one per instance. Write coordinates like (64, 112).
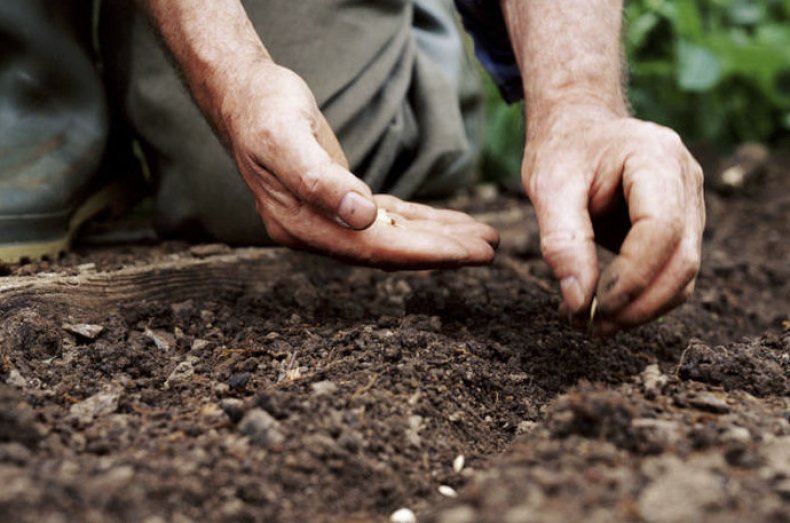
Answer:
(717, 71)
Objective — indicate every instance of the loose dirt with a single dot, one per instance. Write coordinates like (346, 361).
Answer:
(332, 394)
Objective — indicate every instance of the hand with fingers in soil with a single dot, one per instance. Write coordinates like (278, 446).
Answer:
(290, 158)
(596, 175)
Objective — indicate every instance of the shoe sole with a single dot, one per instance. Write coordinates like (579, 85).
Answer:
(111, 196)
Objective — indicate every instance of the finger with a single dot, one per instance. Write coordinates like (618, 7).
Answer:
(418, 211)
(669, 290)
(296, 157)
(607, 327)
(674, 282)
(473, 230)
(475, 236)
(656, 203)
(567, 241)
(386, 246)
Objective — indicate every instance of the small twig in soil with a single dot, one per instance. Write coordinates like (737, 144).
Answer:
(524, 274)
(363, 389)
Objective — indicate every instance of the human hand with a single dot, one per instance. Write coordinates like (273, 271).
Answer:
(587, 173)
(308, 199)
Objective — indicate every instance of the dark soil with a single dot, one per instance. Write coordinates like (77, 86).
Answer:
(342, 394)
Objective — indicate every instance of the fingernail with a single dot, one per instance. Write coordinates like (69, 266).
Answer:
(572, 293)
(356, 211)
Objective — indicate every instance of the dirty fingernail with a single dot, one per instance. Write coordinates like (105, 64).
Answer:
(356, 211)
(572, 293)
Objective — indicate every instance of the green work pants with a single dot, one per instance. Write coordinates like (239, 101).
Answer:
(391, 76)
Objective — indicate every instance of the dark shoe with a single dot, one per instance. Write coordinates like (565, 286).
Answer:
(53, 129)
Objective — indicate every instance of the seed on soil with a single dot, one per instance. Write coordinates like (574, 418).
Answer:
(162, 340)
(84, 330)
(447, 491)
(458, 463)
(403, 515)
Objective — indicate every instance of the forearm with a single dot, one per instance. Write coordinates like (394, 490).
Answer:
(568, 52)
(215, 46)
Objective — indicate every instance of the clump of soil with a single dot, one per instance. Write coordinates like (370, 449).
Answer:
(332, 393)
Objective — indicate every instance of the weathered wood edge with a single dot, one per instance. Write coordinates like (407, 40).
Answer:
(174, 278)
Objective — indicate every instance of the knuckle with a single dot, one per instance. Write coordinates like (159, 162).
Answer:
(697, 175)
(669, 139)
(310, 184)
(689, 266)
(556, 246)
(673, 226)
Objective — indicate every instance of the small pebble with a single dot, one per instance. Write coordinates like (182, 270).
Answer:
(458, 463)
(261, 428)
(403, 515)
(447, 491)
(653, 380)
(181, 374)
(736, 434)
(324, 388)
(234, 408)
(199, 344)
(84, 330)
(239, 380)
(100, 404)
(709, 403)
(15, 379)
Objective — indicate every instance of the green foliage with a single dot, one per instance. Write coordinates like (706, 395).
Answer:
(504, 137)
(715, 70)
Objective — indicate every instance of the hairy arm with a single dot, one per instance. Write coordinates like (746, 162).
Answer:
(586, 159)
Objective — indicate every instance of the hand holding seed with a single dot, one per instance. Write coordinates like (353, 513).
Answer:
(630, 186)
(309, 199)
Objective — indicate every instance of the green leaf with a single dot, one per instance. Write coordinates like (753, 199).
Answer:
(688, 21)
(699, 69)
(746, 12)
(786, 120)
(639, 29)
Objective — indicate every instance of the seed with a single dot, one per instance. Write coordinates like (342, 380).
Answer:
(593, 310)
(384, 217)
(403, 515)
(458, 463)
(447, 491)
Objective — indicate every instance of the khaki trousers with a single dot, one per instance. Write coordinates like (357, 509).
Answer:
(391, 76)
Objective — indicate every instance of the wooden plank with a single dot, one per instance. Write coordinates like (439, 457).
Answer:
(174, 278)
(201, 273)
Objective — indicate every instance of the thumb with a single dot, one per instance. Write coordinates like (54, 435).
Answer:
(317, 174)
(567, 242)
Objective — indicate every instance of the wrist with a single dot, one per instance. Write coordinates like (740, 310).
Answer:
(216, 48)
(567, 116)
